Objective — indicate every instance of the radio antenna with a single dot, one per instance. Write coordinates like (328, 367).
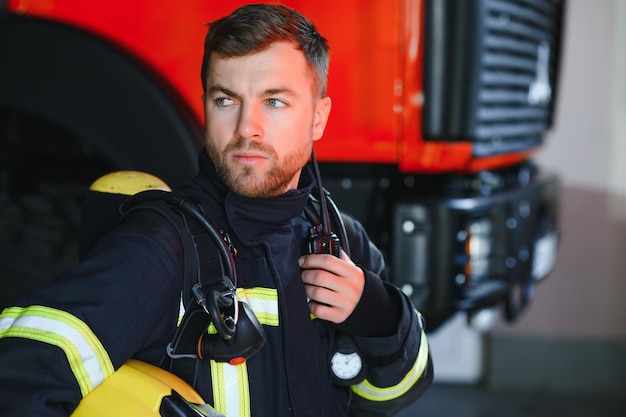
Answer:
(325, 217)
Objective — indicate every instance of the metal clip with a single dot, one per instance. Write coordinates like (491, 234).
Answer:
(200, 298)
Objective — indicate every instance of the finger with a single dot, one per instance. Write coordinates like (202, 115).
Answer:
(346, 258)
(321, 295)
(324, 279)
(317, 261)
(328, 312)
(326, 262)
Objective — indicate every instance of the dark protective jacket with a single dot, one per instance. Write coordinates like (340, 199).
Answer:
(62, 340)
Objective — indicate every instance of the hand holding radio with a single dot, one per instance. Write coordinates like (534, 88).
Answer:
(333, 285)
(334, 288)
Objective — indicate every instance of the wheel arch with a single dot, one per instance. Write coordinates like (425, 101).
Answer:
(99, 93)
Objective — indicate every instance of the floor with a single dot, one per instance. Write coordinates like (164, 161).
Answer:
(469, 401)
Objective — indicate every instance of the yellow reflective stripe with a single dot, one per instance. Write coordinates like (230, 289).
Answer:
(264, 303)
(370, 392)
(231, 392)
(87, 357)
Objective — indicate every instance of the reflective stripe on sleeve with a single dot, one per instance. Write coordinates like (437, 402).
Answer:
(370, 392)
(87, 357)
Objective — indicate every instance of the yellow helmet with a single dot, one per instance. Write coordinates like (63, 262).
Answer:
(138, 389)
(103, 198)
(128, 183)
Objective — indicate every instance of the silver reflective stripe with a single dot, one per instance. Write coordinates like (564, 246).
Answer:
(85, 354)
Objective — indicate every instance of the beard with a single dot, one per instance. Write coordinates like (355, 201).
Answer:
(255, 181)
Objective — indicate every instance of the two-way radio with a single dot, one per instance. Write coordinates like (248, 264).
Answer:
(321, 239)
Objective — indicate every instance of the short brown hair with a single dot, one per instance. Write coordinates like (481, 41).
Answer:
(254, 27)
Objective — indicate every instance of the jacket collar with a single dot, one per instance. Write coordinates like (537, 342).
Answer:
(252, 218)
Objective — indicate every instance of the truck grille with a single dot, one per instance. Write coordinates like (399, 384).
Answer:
(490, 72)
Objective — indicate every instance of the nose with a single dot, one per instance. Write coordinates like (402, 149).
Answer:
(251, 121)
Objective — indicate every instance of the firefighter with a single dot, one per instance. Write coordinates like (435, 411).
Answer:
(264, 77)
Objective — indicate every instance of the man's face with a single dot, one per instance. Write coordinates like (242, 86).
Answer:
(262, 115)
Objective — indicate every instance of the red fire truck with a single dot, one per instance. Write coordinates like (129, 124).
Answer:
(438, 108)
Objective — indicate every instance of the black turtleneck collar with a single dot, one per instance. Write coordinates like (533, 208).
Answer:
(252, 218)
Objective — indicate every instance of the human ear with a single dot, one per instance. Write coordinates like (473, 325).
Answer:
(322, 112)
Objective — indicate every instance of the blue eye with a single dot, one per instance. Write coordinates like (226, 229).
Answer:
(224, 101)
(273, 102)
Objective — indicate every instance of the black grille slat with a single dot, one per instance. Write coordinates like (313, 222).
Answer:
(499, 78)
(510, 44)
(503, 130)
(507, 61)
(494, 97)
(510, 113)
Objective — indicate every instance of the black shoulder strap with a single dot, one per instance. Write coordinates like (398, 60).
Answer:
(189, 220)
(203, 275)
